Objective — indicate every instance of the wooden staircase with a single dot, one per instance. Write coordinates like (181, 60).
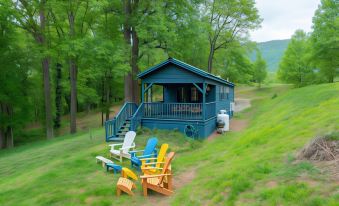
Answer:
(124, 129)
(128, 118)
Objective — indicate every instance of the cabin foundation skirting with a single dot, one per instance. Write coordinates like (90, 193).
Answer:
(205, 128)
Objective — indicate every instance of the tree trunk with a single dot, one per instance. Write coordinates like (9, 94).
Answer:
(134, 65)
(128, 87)
(108, 93)
(6, 131)
(73, 79)
(9, 136)
(2, 140)
(40, 38)
(48, 101)
(102, 100)
(210, 58)
(58, 96)
(131, 86)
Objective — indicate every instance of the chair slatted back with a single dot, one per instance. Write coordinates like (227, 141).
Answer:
(162, 154)
(150, 146)
(128, 140)
(167, 164)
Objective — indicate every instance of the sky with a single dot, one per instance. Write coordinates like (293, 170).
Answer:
(282, 17)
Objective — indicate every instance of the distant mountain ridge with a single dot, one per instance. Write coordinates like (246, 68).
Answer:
(272, 52)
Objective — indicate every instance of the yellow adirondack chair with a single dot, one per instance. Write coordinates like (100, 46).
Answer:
(156, 182)
(124, 183)
(152, 165)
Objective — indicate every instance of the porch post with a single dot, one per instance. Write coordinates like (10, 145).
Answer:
(204, 101)
(142, 92)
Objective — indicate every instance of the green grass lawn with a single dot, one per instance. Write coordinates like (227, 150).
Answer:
(252, 167)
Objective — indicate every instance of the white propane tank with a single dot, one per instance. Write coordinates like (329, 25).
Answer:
(224, 117)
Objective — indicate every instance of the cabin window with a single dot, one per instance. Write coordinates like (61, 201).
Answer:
(224, 93)
(181, 94)
(194, 94)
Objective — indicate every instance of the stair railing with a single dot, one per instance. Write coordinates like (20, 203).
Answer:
(136, 119)
(112, 126)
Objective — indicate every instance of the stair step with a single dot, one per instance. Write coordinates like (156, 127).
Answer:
(117, 138)
(121, 133)
(124, 129)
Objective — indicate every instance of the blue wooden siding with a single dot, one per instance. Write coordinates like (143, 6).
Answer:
(172, 74)
(205, 128)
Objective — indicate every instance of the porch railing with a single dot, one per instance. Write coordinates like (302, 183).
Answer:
(136, 118)
(112, 126)
(191, 111)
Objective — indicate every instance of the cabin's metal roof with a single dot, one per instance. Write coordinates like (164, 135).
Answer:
(187, 67)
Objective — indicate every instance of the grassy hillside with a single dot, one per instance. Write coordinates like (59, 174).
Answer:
(272, 52)
(252, 167)
(257, 167)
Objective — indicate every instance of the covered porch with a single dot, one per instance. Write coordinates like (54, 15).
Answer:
(180, 101)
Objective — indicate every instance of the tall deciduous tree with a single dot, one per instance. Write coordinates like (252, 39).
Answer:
(229, 21)
(147, 25)
(324, 37)
(234, 64)
(35, 24)
(260, 69)
(13, 101)
(80, 17)
(295, 66)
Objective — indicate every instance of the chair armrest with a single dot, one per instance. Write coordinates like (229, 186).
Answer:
(151, 168)
(150, 158)
(152, 163)
(135, 151)
(150, 176)
(122, 148)
(114, 145)
(143, 156)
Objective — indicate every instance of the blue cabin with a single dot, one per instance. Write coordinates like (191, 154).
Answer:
(173, 95)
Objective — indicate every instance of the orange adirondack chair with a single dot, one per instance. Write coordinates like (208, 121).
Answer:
(151, 165)
(157, 182)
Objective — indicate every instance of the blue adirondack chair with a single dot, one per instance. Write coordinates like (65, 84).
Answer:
(149, 151)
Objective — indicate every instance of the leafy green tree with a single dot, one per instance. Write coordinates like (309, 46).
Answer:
(13, 80)
(324, 37)
(149, 28)
(81, 16)
(229, 21)
(295, 65)
(260, 69)
(35, 23)
(234, 64)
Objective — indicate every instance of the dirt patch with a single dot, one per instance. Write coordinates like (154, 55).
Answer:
(331, 168)
(309, 181)
(213, 136)
(238, 125)
(241, 104)
(184, 178)
(271, 184)
(179, 181)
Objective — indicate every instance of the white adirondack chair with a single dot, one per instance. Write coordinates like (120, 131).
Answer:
(119, 153)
